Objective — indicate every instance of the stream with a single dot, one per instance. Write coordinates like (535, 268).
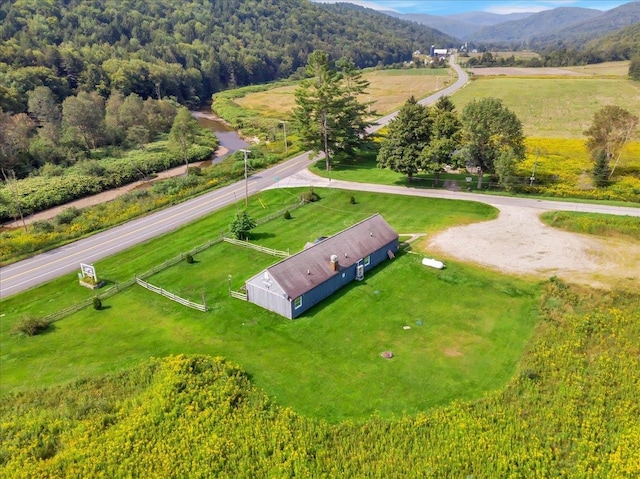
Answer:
(227, 136)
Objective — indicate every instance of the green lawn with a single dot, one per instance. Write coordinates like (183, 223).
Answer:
(467, 330)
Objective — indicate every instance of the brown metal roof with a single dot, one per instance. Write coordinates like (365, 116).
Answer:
(310, 267)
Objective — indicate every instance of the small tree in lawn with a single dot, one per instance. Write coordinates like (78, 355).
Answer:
(610, 131)
(242, 225)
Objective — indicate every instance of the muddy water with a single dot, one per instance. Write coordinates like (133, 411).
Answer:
(227, 136)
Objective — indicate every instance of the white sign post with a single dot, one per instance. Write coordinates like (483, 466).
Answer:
(90, 271)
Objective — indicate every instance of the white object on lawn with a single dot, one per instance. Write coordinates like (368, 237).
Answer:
(434, 263)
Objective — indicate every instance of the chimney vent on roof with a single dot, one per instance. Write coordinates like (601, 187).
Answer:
(333, 264)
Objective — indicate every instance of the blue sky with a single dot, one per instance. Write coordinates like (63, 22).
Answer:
(444, 7)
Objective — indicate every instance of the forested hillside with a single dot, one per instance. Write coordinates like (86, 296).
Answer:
(184, 49)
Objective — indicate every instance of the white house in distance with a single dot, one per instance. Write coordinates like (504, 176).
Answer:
(437, 52)
(302, 280)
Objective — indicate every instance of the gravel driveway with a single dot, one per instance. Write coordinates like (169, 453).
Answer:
(518, 242)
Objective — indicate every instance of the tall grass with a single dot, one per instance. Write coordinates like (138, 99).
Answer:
(571, 410)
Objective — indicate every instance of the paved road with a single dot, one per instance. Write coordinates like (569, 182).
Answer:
(47, 266)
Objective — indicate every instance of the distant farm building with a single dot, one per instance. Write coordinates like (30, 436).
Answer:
(437, 52)
(301, 281)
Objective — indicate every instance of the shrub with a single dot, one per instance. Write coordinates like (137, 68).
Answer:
(42, 226)
(67, 215)
(287, 215)
(188, 258)
(97, 303)
(309, 196)
(31, 326)
(49, 170)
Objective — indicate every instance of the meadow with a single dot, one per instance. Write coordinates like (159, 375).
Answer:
(554, 110)
(388, 90)
(570, 410)
(468, 328)
(554, 107)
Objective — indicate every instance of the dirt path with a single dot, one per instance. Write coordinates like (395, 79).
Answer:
(105, 195)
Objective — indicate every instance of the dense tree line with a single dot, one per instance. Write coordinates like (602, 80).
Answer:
(185, 50)
(486, 136)
(60, 134)
(623, 44)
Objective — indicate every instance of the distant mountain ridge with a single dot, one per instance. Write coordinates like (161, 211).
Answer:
(546, 23)
(570, 26)
(460, 25)
(610, 21)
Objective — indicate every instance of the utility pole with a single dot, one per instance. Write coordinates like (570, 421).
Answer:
(533, 174)
(246, 181)
(286, 147)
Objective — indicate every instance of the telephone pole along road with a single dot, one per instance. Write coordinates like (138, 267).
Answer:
(47, 266)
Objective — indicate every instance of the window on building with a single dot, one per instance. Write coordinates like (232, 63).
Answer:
(297, 302)
(367, 260)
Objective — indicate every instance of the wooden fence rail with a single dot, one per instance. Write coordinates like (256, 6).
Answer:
(171, 296)
(262, 249)
(236, 294)
(58, 315)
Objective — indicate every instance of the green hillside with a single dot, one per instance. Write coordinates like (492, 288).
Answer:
(185, 49)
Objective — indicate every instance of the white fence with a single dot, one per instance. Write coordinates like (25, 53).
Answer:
(236, 294)
(171, 296)
(262, 249)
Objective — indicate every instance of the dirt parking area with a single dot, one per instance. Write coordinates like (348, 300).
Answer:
(518, 242)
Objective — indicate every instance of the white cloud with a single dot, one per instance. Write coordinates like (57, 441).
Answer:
(517, 8)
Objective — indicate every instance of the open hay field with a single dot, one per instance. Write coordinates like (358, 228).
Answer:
(556, 107)
(388, 91)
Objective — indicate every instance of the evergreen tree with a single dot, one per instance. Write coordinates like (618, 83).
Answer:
(328, 115)
(409, 133)
(601, 170)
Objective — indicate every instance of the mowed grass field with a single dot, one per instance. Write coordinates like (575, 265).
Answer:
(388, 90)
(549, 107)
(558, 107)
(468, 327)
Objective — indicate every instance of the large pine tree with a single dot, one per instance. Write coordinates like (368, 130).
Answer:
(409, 134)
(328, 114)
